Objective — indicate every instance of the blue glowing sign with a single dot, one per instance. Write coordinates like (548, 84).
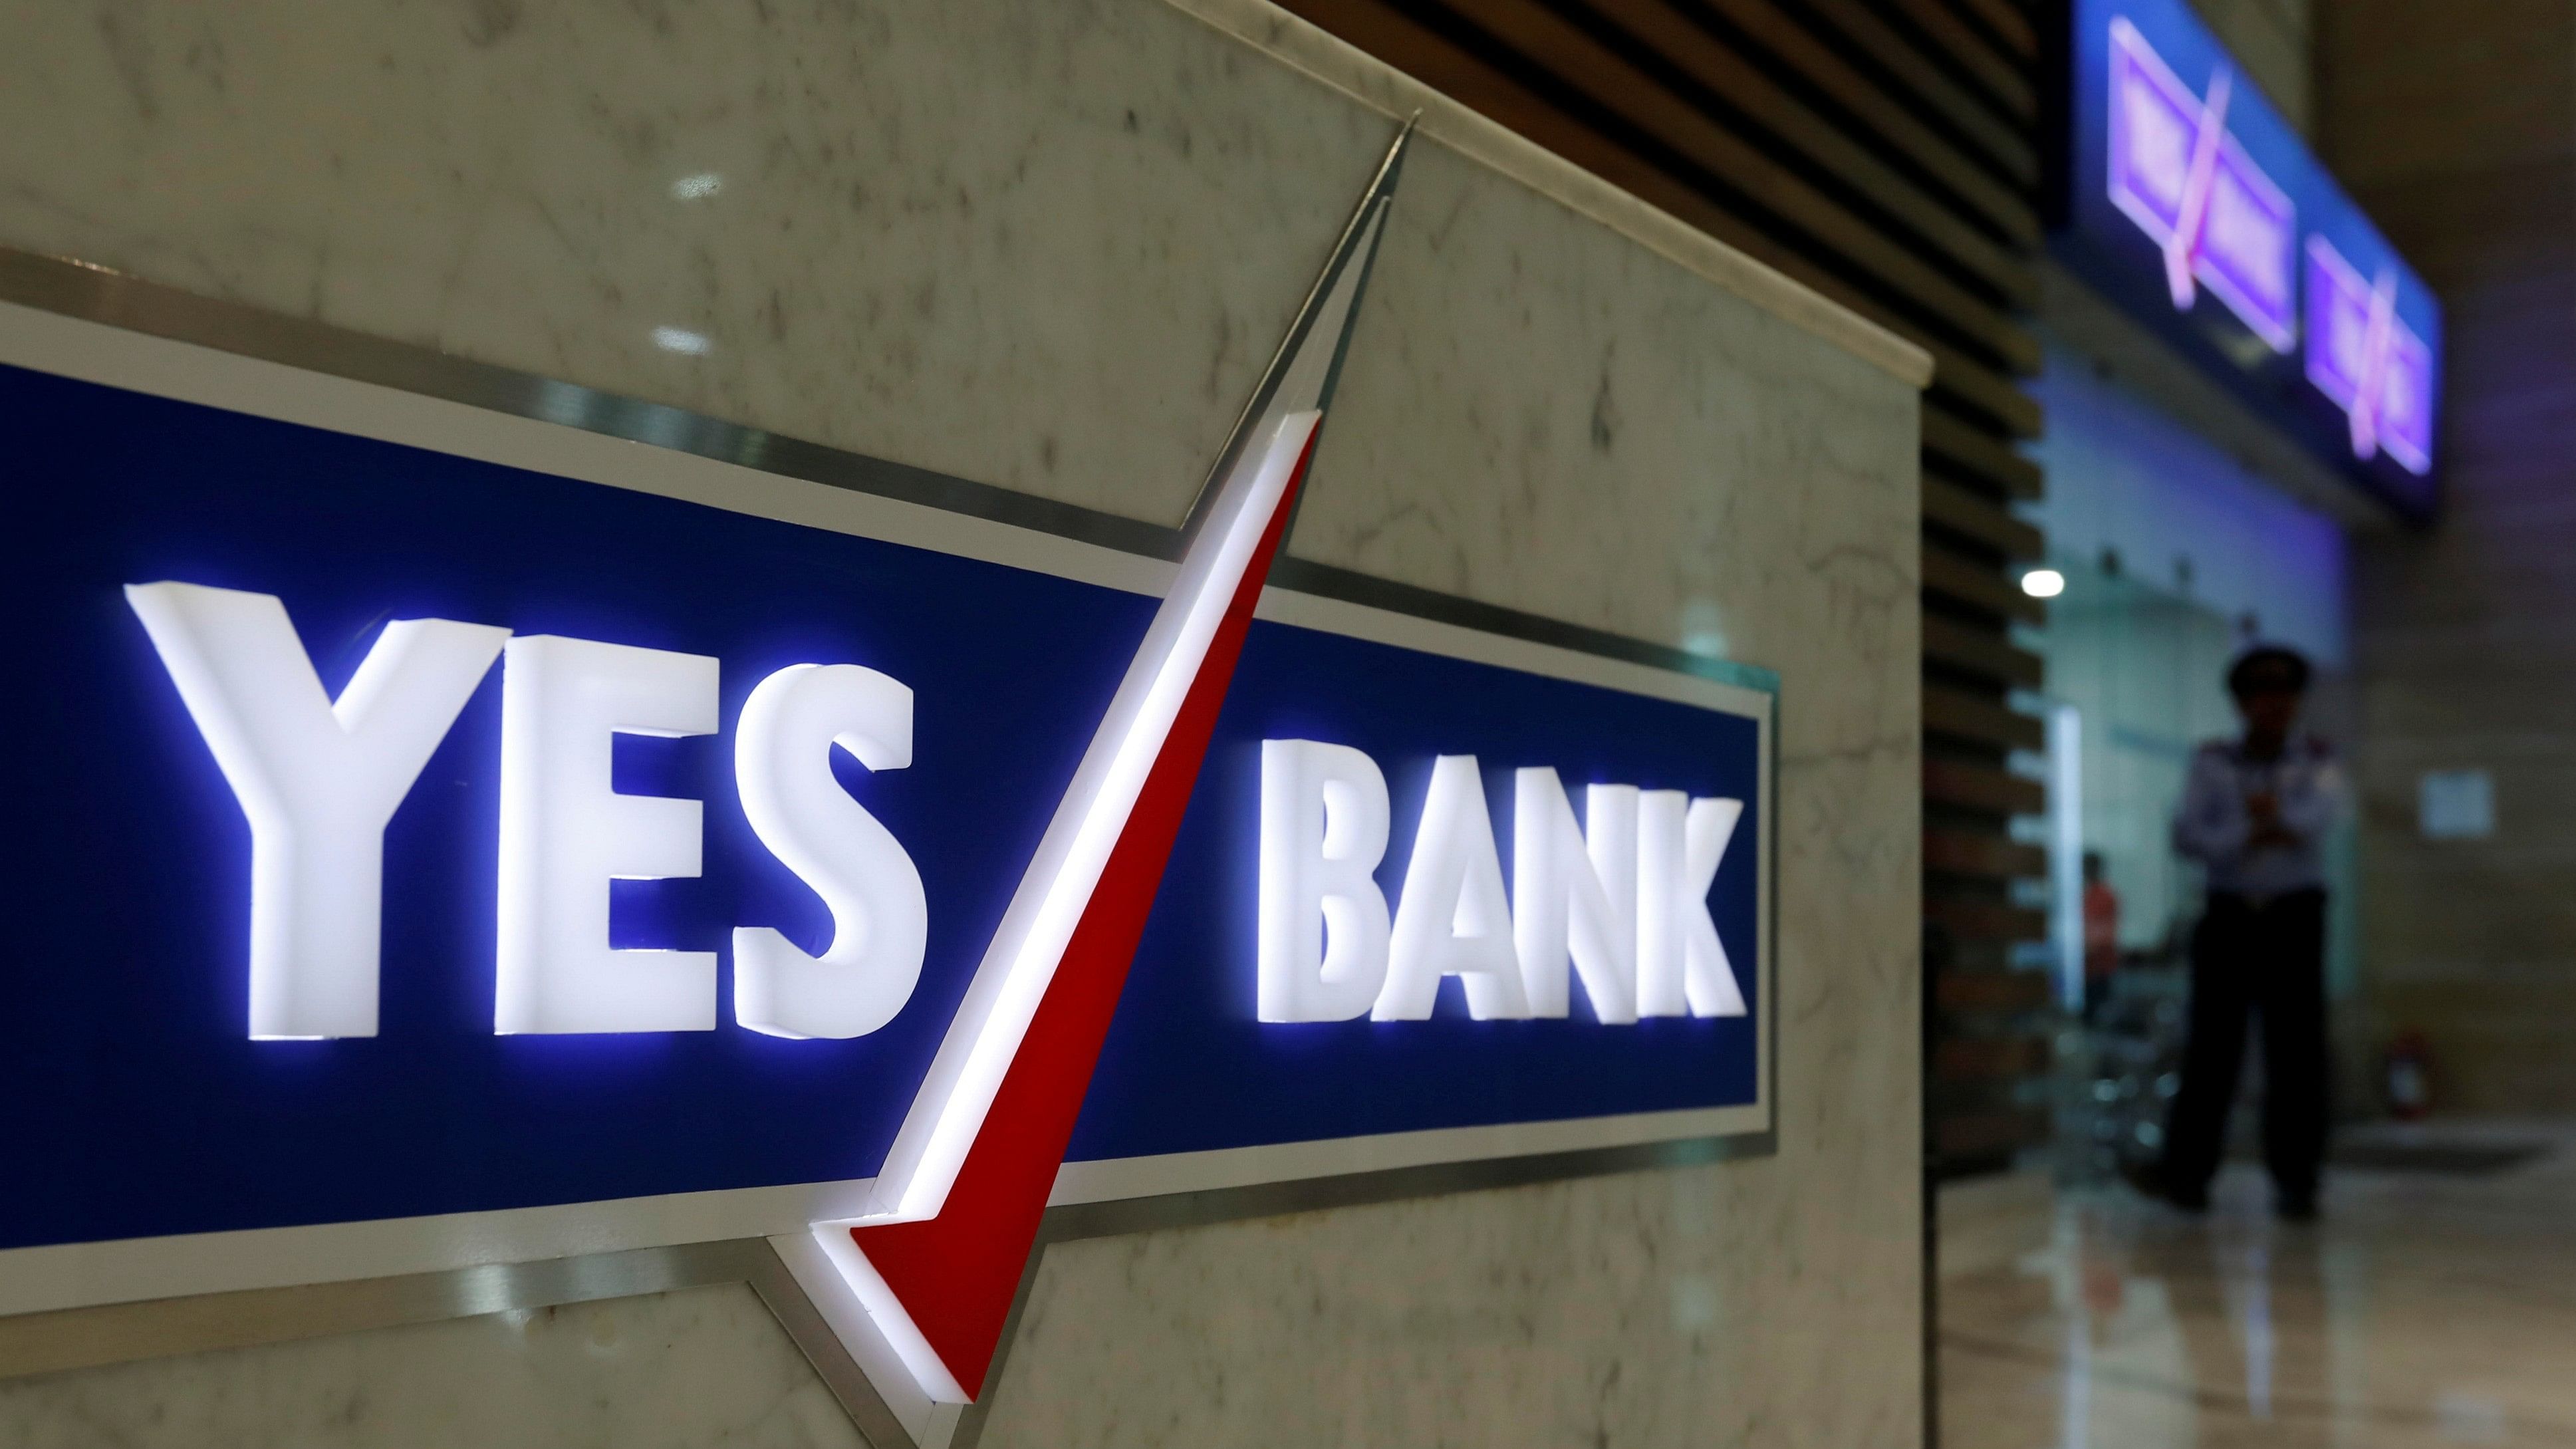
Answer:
(2177, 171)
(663, 615)
(2193, 204)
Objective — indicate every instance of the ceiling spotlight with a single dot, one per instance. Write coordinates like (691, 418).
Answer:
(2043, 583)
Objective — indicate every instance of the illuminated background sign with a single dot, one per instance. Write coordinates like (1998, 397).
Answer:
(612, 744)
(2178, 172)
(2189, 201)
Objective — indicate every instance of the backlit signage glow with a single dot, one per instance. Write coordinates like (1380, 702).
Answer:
(2365, 358)
(2187, 183)
(2192, 204)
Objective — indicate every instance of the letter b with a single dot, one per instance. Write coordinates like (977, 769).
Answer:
(1324, 922)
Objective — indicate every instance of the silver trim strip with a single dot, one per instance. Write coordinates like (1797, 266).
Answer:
(78, 1338)
(97, 294)
(70, 1339)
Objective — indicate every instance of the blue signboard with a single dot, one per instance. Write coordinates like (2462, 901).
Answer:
(2190, 202)
(161, 1084)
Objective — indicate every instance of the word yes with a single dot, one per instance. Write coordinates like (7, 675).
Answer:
(319, 779)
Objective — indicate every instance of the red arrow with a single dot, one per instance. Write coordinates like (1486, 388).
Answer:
(966, 1182)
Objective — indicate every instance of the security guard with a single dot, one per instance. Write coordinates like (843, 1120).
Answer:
(2255, 811)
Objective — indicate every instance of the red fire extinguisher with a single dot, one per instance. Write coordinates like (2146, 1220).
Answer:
(2409, 1075)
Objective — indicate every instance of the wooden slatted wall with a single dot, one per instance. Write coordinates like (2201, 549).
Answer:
(1886, 154)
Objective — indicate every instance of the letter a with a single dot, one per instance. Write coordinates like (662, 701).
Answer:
(1454, 919)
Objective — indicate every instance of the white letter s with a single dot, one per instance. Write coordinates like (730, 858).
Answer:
(880, 917)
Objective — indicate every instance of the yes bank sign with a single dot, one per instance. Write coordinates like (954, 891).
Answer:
(1623, 896)
(429, 812)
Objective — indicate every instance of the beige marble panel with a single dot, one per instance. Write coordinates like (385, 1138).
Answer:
(1542, 416)
(2455, 130)
(1047, 244)
(1043, 245)
(1470, 133)
(661, 1371)
(1537, 416)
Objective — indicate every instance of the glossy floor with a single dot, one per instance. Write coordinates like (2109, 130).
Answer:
(2425, 1309)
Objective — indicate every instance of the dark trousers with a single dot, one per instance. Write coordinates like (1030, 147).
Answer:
(2265, 961)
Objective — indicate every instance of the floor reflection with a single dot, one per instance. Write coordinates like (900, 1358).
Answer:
(2426, 1309)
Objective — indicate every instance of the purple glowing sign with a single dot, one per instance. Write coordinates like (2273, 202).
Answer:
(2192, 205)
(2371, 364)
(2177, 173)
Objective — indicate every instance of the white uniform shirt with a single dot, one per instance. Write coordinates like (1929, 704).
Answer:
(2214, 827)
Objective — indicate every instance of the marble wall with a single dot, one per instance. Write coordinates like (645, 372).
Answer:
(2456, 130)
(585, 1373)
(1047, 244)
